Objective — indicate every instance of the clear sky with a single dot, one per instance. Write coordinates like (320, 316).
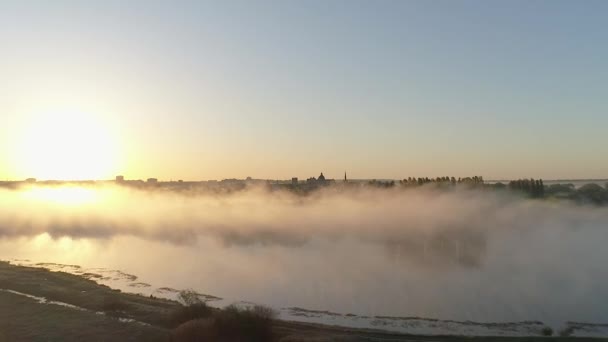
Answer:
(380, 89)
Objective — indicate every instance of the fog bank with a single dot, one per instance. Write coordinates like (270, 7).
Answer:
(449, 254)
(423, 224)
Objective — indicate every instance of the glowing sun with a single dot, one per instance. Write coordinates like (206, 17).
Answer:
(67, 146)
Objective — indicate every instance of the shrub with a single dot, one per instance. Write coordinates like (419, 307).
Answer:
(196, 330)
(189, 297)
(566, 332)
(190, 312)
(252, 324)
(547, 331)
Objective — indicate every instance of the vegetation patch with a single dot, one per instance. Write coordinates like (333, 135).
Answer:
(242, 324)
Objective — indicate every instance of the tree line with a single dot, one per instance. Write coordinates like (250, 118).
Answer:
(534, 188)
(413, 181)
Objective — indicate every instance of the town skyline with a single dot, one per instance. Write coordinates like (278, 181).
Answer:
(344, 177)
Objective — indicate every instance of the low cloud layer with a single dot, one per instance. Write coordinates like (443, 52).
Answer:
(450, 254)
(415, 224)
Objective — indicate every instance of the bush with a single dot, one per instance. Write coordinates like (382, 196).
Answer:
(196, 330)
(253, 324)
(191, 312)
(189, 297)
(567, 332)
(246, 324)
(547, 331)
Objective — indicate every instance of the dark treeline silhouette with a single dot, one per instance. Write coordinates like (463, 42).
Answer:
(589, 193)
(531, 187)
(381, 184)
(534, 188)
(413, 181)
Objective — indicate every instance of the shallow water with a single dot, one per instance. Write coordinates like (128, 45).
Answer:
(349, 276)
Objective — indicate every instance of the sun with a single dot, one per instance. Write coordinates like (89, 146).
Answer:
(66, 146)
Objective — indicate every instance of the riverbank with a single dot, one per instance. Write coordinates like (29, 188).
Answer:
(40, 305)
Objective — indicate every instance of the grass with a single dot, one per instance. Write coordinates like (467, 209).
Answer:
(22, 319)
(85, 293)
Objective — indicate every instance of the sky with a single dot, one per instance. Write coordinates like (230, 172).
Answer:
(279, 89)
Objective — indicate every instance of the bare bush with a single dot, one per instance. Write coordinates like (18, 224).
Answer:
(189, 297)
(196, 330)
(190, 312)
(250, 324)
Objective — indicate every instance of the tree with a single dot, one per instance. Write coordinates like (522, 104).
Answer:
(540, 191)
(542, 188)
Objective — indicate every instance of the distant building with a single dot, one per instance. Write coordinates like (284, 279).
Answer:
(294, 181)
(319, 181)
(30, 180)
(152, 180)
(120, 179)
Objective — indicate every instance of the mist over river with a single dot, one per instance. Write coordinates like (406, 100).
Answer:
(451, 255)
